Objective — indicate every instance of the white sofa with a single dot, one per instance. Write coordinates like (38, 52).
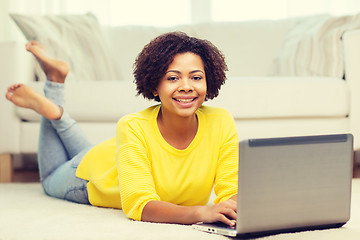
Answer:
(265, 101)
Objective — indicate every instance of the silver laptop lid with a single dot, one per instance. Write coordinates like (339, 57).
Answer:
(294, 182)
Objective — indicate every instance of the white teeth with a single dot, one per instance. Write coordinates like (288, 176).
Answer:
(184, 100)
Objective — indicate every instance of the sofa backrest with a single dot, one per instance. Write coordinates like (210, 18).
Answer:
(249, 47)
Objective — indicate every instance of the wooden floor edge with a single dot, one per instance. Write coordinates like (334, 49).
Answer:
(6, 168)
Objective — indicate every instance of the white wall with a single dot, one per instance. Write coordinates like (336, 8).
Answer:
(4, 21)
(171, 12)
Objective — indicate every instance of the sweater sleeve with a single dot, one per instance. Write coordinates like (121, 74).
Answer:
(136, 184)
(226, 178)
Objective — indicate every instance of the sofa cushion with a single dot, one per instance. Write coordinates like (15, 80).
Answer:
(245, 98)
(314, 46)
(127, 41)
(94, 101)
(249, 47)
(76, 39)
(284, 97)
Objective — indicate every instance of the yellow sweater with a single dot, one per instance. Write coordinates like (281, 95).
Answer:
(140, 166)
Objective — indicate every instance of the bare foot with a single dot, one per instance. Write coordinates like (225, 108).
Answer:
(55, 70)
(23, 96)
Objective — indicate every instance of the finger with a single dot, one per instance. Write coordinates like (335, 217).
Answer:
(229, 213)
(224, 219)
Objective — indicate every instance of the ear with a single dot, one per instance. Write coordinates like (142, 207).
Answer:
(155, 93)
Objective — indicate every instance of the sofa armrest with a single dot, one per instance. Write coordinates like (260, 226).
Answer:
(351, 41)
(16, 65)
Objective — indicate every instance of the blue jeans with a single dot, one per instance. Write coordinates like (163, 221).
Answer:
(62, 145)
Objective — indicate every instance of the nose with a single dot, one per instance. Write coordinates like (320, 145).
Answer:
(185, 85)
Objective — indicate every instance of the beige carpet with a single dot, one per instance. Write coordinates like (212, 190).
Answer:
(27, 213)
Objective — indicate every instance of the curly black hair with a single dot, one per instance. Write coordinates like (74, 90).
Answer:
(153, 61)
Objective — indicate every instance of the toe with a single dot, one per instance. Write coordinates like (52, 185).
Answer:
(9, 95)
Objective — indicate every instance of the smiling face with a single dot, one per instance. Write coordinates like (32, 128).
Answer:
(183, 88)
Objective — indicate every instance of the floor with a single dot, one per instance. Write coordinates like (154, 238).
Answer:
(33, 175)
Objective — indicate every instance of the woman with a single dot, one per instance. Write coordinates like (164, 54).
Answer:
(164, 161)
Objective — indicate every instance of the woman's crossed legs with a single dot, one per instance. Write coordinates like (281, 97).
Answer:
(62, 144)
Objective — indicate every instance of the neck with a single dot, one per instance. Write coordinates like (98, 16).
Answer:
(177, 131)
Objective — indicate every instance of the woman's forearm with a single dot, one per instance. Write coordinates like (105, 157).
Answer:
(164, 212)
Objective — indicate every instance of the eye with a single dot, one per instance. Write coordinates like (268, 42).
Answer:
(197, 78)
(172, 78)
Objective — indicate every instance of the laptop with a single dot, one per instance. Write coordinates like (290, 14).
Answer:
(291, 184)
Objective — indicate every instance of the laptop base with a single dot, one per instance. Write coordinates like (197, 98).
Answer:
(290, 230)
(223, 229)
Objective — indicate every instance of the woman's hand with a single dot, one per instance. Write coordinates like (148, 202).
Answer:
(224, 212)
(164, 212)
